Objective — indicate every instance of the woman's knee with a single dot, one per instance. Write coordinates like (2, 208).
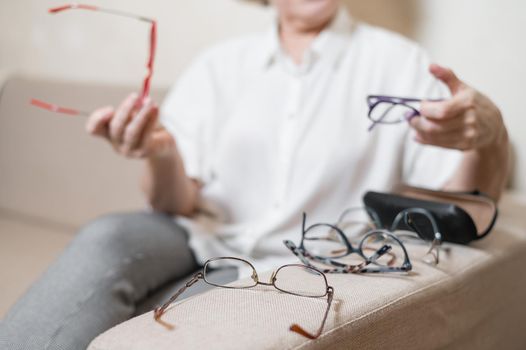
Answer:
(130, 231)
(110, 232)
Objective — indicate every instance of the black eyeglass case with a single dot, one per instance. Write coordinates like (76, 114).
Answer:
(461, 217)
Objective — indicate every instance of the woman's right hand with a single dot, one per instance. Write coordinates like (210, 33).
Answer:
(132, 129)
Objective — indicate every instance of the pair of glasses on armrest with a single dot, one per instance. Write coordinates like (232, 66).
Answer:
(146, 84)
(295, 279)
(415, 225)
(378, 251)
(411, 217)
(332, 244)
(337, 267)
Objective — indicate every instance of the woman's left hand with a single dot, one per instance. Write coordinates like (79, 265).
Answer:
(467, 121)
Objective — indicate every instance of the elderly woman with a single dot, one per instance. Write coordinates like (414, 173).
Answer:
(258, 130)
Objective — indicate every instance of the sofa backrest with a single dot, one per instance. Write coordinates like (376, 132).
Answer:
(50, 168)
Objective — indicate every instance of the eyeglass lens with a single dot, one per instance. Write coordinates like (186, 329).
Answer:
(354, 222)
(388, 112)
(324, 241)
(244, 268)
(300, 280)
(376, 240)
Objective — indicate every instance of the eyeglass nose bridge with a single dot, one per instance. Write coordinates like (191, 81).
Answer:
(271, 280)
(255, 276)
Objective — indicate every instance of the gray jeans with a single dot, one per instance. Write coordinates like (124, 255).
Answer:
(116, 267)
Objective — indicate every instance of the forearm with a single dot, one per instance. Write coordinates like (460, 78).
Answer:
(486, 169)
(165, 183)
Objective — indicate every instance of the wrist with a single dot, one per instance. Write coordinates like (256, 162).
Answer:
(162, 145)
(495, 157)
(499, 145)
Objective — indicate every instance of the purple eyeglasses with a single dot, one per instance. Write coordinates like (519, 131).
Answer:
(392, 109)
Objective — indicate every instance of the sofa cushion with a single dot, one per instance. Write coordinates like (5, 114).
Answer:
(473, 299)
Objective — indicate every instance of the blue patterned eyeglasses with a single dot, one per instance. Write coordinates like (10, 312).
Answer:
(379, 249)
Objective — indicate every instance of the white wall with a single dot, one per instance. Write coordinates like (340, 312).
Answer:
(481, 39)
(80, 45)
(484, 41)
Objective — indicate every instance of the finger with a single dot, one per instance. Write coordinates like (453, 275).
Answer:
(428, 126)
(447, 109)
(453, 140)
(135, 127)
(97, 123)
(122, 117)
(447, 76)
(455, 134)
(149, 131)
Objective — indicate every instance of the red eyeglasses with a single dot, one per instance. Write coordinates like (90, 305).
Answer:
(149, 65)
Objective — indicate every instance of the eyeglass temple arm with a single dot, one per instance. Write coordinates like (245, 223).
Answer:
(62, 8)
(375, 122)
(385, 249)
(391, 254)
(151, 60)
(435, 246)
(429, 216)
(300, 330)
(153, 36)
(297, 252)
(437, 239)
(304, 256)
(405, 215)
(57, 109)
(373, 215)
(159, 311)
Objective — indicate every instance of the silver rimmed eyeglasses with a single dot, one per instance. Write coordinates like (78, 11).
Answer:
(295, 279)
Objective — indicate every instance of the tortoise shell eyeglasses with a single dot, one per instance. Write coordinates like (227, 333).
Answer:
(380, 248)
(146, 84)
(295, 279)
(378, 251)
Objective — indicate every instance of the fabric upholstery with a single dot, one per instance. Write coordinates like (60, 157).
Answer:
(472, 300)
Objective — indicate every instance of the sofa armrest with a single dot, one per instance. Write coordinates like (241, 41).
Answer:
(472, 300)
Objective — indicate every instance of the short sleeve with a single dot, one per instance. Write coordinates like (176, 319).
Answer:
(424, 165)
(187, 110)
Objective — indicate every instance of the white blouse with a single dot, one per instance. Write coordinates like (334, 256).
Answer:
(271, 139)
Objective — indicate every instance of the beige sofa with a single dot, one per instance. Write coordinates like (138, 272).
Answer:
(53, 178)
